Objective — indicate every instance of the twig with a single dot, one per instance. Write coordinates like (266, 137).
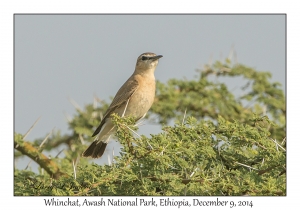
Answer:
(266, 170)
(283, 141)
(59, 153)
(68, 117)
(184, 116)
(81, 139)
(137, 135)
(258, 144)
(28, 165)
(95, 103)
(74, 169)
(278, 145)
(132, 130)
(162, 152)
(262, 161)
(125, 108)
(43, 142)
(140, 123)
(64, 140)
(192, 174)
(246, 165)
(30, 129)
(73, 102)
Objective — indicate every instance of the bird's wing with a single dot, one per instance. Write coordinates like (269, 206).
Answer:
(122, 96)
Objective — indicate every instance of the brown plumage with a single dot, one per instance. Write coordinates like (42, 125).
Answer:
(134, 98)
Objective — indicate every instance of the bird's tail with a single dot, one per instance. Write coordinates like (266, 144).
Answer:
(95, 150)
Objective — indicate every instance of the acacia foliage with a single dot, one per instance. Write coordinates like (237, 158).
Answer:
(220, 143)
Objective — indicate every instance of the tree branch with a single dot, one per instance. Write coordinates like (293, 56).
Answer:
(44, 162)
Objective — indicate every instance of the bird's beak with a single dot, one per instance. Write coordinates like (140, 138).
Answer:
(156, 57)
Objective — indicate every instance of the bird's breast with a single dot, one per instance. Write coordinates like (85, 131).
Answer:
(142, 99)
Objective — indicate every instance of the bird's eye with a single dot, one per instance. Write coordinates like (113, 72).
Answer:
(144, 58)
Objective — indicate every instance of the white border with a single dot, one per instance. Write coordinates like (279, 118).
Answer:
(8, 8)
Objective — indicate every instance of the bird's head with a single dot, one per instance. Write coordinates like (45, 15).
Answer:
(147, 61)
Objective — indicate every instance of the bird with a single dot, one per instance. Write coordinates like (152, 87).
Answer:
(134, 98)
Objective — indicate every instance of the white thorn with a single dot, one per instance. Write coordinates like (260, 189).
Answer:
(246, 165)
(74, 169)
(44, 141)
(184, 116)
(30, 129)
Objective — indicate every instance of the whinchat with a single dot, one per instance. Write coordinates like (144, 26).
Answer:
(134, 98)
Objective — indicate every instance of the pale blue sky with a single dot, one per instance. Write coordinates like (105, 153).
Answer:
(76, 56)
